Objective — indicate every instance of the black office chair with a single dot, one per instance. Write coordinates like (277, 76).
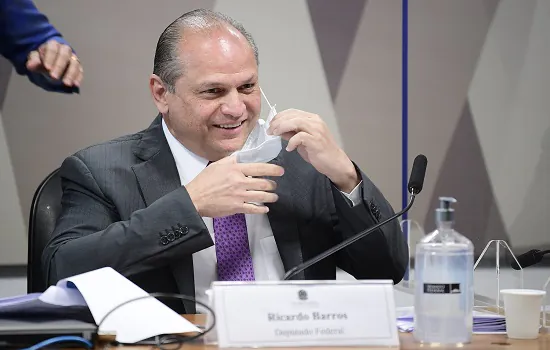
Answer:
(45, 208)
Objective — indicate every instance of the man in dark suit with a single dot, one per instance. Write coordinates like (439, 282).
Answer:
(171, 209)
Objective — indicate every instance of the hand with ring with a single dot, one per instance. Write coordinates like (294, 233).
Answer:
(58, 60)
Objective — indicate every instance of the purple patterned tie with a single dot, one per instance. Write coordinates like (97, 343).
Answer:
(232, 250)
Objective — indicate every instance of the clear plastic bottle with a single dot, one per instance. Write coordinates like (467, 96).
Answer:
(444, 292)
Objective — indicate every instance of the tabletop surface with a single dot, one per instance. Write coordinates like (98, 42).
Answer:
(479, 342)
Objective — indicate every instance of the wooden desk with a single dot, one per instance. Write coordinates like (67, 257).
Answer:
(480, 342)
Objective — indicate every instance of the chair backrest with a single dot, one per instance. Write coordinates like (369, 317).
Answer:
(45, 208)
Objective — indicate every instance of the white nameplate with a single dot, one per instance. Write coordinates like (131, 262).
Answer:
(304, 313)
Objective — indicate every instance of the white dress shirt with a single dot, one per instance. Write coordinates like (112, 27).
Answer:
(265, 254)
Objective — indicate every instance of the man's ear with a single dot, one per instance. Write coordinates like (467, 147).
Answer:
(158, 91)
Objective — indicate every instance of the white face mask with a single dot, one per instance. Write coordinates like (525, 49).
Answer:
(259, 146)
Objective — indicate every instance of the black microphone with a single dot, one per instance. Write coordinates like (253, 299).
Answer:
(416, 182)
(532, 257)
(418, 172)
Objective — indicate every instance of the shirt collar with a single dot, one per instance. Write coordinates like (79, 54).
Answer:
(188, 163)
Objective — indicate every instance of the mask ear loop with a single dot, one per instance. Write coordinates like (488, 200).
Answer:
(266, 100)
(269, 104)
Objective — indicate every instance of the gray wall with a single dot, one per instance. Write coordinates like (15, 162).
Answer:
(478, 105)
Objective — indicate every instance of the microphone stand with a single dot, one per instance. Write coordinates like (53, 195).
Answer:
(299, 268)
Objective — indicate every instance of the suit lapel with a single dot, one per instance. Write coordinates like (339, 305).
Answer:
(283, 224)
(157, 176)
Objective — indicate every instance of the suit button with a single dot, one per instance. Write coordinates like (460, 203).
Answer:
(183, 229)
(164, 240)
(177, 232)
(169, 235)
(374, 210)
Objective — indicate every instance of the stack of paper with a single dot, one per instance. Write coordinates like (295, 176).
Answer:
(92, 295)
(484, 323)
(55, 302)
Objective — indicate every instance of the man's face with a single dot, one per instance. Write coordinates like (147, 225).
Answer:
(217, 100)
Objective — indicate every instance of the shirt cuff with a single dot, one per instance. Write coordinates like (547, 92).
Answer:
(355, 195)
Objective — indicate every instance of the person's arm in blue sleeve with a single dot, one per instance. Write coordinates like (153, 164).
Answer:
(36, 48)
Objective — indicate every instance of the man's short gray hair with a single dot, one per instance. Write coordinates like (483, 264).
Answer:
(167, 64)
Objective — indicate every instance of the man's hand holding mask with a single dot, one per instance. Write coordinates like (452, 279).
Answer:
(310, 136)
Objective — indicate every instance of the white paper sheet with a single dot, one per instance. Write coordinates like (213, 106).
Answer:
(105, 288)
(61, 296)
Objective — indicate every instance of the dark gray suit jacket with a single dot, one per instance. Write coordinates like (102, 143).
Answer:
(123, 207)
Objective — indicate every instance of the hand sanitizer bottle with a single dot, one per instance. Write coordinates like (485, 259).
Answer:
(444, 292)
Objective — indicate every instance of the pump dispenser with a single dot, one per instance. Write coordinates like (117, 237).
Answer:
(444, 270)
(445, 213)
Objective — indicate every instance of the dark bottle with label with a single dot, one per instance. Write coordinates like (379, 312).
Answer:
(443, 275)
